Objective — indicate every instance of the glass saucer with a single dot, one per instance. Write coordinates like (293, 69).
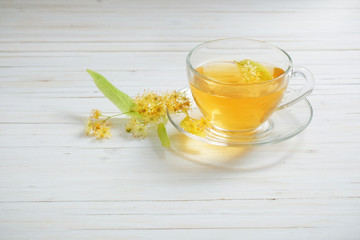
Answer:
(283, 124)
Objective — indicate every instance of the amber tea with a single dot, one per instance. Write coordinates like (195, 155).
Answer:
(238, 96)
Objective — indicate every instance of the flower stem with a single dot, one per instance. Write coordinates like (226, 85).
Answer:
(108, 117)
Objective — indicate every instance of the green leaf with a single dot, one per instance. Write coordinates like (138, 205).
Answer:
(164, 138)
(121, 100)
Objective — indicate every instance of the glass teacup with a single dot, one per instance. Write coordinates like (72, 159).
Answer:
(242, 107)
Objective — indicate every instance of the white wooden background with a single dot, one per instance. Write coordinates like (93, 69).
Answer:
(55, 183)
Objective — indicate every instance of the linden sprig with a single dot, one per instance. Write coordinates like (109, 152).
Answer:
(97, 127)
(146, 111)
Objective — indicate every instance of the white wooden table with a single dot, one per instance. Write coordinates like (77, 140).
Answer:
(56, 183)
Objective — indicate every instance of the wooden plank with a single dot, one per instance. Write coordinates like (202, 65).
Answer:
(55, 183)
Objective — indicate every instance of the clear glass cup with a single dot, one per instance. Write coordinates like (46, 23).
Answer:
(243, 109)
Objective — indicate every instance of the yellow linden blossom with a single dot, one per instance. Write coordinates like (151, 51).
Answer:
(137, 128)
(103, 132)
(151, 107)
(97, 128)
(95, 114)
(252, 72)
(195, 126)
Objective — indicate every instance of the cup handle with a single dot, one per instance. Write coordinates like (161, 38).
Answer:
(297, 95)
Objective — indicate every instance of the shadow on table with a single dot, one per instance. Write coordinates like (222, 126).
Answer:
(247, 158)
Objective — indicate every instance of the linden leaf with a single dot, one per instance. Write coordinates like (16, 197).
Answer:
(164, 138)
(121, 100)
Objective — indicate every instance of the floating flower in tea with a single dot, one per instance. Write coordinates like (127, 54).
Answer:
(252, 72)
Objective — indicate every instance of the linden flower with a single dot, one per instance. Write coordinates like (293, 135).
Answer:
(103, 132)
(249, 72)
(177, 102)
(137, 128)
(195, 126)
(252, 72)
(152, 106)
(95, 114)
(97, 128)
